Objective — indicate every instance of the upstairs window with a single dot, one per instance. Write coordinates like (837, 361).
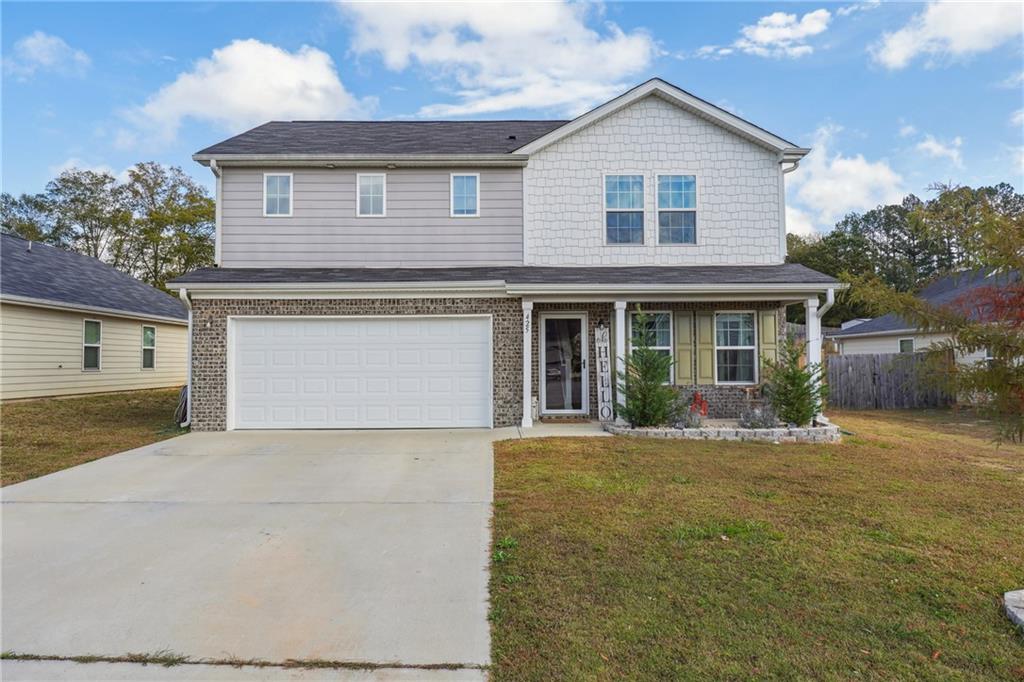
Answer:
(277, 194)
(735, 348)
(92, 340)
(465, 195)
(656, 331)
(677, 209)
(907, 345)
(148, 347)
(624, 209)
(372, 190)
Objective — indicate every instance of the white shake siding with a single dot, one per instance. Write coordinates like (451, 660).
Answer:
(738, 191)
(418, 229)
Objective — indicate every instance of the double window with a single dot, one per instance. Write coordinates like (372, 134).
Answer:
(371, 191)
(92, 341)
(624, 209)
(735, 348)
(677, 209)
(148, 347)
(277, 194)
(655, 331)
(465, 195)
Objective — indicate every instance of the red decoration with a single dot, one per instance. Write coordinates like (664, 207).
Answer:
(699, 405)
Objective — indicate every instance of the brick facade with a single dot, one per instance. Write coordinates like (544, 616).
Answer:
(209, 344)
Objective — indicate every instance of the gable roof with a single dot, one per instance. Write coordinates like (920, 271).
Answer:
(381, 138)
(50, 277)
(945, 291)
(682, 99)
(309, 140)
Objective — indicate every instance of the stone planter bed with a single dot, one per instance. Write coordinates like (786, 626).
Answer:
(721, 430)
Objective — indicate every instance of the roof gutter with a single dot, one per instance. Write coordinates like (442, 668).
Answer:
(74, 307)
(364, 160)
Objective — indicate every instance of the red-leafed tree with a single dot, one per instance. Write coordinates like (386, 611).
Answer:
(988, 319)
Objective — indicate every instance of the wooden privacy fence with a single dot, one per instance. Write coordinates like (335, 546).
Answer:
(885, 381)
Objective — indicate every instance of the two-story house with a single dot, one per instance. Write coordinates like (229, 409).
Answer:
(475, 273)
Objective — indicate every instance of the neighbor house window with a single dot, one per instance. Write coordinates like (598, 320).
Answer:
(465, 195)
(148, 347)
(92, 339)
(654, 329)
(677, 209)
(372, 190)
(277, 194)
(735, 348)
(624, 209)
(906, 345)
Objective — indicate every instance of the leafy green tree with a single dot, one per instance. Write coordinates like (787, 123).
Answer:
(795, 391)
(172, 226)
(648, 399)
(987, 227)
(27, 216)
(89, 214)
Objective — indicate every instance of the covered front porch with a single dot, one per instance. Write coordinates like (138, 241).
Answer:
(574, 347)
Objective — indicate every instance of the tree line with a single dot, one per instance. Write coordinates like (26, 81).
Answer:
(904, 246)
(156, 224)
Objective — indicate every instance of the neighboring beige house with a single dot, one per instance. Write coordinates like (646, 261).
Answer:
(891, 334)
(70, 324)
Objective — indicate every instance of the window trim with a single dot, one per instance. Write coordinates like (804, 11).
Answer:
(605, 210)
(451, 195)
(384, 201)
(291, 195)
(757, 339)
(658, 210)
(899, 344)
(99, 346)
(671, 339)
(144, 348)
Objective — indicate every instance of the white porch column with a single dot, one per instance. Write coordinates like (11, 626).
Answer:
(527, 364)
(620, 351)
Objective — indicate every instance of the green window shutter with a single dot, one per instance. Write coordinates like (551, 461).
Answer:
(684, 347)
(705, 348)
(768, 337)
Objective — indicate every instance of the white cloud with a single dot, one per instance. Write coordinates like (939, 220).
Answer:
(950, 30)
(42, 52)
(858, 7)
(906, 130)
(776, 35)
(937, 149)
(1014, 80)
(240, 85)
(503, 56)
(1017, 118)
(798, 222)
(829, 185)
(75, 163)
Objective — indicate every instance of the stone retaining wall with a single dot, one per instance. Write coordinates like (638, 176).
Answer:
(811, 434)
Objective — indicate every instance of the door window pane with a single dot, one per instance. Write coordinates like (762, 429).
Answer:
(563, 364)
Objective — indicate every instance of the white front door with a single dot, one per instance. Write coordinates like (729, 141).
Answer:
(359, 372)
(563, 364)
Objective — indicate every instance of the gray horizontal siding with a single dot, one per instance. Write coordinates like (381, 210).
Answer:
(324, 231)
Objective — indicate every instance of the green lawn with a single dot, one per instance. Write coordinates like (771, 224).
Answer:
(38, 437)
(883, 557)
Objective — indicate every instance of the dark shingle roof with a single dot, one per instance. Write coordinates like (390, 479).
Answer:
(948, 290)
(51, 274)
(384, 137)
(789, 273)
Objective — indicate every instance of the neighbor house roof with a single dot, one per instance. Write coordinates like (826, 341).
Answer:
(945, 291)
(301, 140)
(787, 273)
(39, 274)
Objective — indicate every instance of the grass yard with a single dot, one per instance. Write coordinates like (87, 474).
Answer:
(884, 557)
(38, 437)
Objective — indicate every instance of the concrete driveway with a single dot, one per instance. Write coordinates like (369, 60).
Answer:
(345, 546)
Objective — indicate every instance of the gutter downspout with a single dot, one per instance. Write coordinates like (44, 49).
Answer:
(183, 295)
(830, 300)
(216, 212)
(782, 199)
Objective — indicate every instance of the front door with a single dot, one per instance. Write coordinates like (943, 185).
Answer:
(563, 363)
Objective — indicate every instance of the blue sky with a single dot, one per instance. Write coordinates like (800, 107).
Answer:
(891, 96)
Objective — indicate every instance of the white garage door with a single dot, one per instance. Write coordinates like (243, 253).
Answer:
(360, 372)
